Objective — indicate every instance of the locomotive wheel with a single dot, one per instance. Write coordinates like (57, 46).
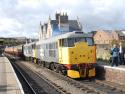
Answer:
(42, 64)
(38, 62)
(52, 66)
(62, 70)
(58, 68)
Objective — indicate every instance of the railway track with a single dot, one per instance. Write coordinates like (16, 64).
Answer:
(25, 84)
(65, 83)
(93, 87)
(102, 86)
(99, 86)
(38, 83)
(85, 86)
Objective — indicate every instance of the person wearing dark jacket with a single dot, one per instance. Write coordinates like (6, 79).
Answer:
(121, 54)
(115, 55)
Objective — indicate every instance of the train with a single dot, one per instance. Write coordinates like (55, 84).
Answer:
(72, 54)
(14, 50)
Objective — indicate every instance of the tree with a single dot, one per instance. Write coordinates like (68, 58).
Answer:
(114, 41)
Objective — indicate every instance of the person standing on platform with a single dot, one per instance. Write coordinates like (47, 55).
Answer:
(121, 54)
(115, 55)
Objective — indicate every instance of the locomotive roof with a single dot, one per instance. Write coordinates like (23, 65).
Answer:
(29, 43)
(66, 35)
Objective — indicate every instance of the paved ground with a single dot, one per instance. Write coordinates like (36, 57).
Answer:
(9, 84)
(107, 63)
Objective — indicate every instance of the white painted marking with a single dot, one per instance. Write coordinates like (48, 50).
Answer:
(117, 68)
(42, 52)
(20, 86)
(33, 54)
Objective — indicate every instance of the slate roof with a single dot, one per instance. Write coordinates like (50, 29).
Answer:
(54, 25)
(73, 25)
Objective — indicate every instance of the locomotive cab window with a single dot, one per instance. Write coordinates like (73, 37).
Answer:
(71, 42)
(90, 41)
(67, 42)
(79, 39)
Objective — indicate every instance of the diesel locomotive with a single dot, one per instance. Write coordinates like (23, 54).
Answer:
(72, 54)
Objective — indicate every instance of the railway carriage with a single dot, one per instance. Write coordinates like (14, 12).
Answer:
(15, 50)
(29, 51)
(72, 54)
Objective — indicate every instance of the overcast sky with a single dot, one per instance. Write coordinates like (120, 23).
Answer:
(20, 18)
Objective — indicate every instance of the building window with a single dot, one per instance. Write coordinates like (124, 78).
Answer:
(123, 38)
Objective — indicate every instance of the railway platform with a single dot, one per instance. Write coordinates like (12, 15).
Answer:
(114, 74)
(9, 83)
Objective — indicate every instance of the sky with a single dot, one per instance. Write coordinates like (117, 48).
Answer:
(21, 18)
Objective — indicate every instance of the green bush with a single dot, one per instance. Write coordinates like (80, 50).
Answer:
(103, 54)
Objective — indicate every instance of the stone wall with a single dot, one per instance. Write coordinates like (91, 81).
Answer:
(112, 74)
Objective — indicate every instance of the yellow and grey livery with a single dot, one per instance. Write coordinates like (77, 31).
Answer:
(72, 54)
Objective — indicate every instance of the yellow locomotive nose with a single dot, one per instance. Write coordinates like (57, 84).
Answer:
(80, 54)
(73, 74)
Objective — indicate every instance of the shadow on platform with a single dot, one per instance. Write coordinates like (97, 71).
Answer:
(100, 72)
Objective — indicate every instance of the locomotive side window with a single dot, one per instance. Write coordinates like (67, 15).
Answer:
(38, 46)
(50, 46)
(52, 49)
(26, 49)
(71, 42)
(29, 49)
(33, 46)
(90, 41)
(55, 45)
(64, 43)
(60, 42)
(47, 46)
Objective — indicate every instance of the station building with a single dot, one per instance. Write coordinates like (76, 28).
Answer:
(104, 39)
(60, 25)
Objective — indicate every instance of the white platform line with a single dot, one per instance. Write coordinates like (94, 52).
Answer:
(117, 68)
(20, 86)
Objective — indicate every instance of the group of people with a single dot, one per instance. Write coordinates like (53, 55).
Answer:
(117, 55)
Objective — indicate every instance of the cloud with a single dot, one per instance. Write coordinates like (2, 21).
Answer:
(22, 17)
(9, 24)
(9, 27)
(28, 3)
